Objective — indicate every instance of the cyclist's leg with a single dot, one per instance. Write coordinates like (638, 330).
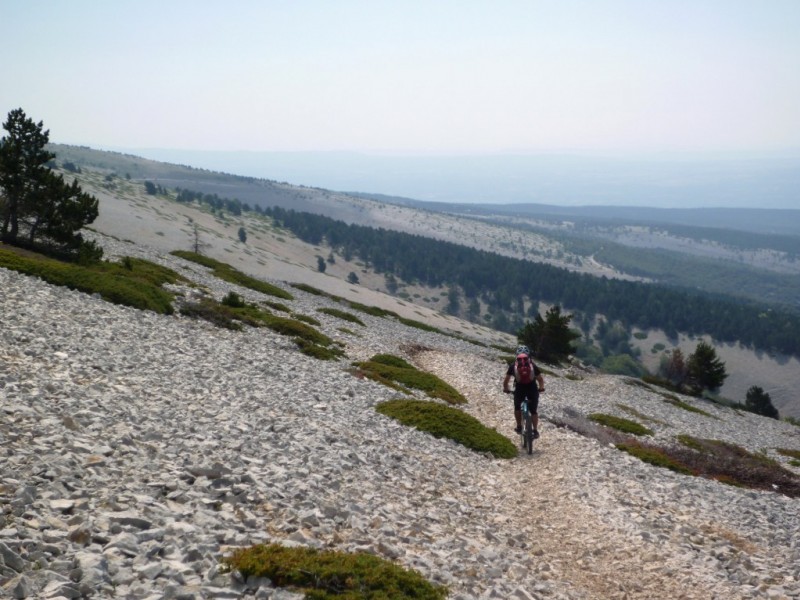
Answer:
(518, 396)
(533, 404)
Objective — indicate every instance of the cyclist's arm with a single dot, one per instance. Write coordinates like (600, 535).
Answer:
(506, 381)
(540, 381)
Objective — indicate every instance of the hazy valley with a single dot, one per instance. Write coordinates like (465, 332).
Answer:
(170, 225)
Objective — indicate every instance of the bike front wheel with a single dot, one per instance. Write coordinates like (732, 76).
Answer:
(529, 433)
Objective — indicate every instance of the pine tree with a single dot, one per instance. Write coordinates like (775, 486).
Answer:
(23, 161)
(37, 204)
(549, 338)
(705, 370)
(759, 402)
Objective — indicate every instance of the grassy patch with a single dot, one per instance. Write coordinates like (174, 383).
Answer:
(324, 575)
(788, 452)
(620, 424)
(733, 464)
(446, 422)
(654, 455)
(675, 401)
(309, 289)
(712, 459)
(386, 368)
(310, 341)
(374, 311)
(131, 282)
(418, 325)
(277, 306)
(340, 314)
(228, 273)
(632, 411)
(307, 319)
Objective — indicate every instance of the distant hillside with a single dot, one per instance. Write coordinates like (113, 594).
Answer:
(169, 225)
(757, 220)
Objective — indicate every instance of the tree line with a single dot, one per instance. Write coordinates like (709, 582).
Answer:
(505, 284)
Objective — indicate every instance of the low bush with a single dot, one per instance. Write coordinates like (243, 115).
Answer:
(788, 452)
(410, 377)
(713, 459)
(133, 282)
(307, 319)
(654, 455)
(620, 424)
(733, 464)
(446, 422)
(677, 402)
(231, 275)
(233, 300)
(418, 325)
(340, 314)
(310, 341)
(277, 306)
(330, 575)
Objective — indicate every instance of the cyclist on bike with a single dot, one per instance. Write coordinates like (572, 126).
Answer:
(523, 389)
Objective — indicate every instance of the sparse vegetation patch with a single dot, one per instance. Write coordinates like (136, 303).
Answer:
(133, 282)
(446, 422)
(340, 314)
(329, 575)
(228, 273)
(385, 368)
(620, 424)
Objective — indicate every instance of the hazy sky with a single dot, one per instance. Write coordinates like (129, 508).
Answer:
(408, 76)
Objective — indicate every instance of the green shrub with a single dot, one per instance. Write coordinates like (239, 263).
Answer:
(734, 465)
(228, 273)
(638, 415)
(620, 424)
(340, 314)
(233, 300)
(447, 422)
(213, 312)
(134, 282)
(307, 319)
(277, 306)
(410, 377)
(675, 401)
(655, 456)
(790, 453)
(372, 310)
(316, 351)
(713, 459)
(392, 361)
(309, 289)
(504, 349)
(418, 325)
(330, 575)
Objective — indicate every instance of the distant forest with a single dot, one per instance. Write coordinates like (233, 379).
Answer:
(504, 283)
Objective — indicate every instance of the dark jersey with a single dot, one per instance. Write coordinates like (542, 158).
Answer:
(536, 371)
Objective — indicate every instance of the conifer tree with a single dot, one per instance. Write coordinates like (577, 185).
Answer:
(36, 204)
(759, 402)
(549, 338)
(705, 370)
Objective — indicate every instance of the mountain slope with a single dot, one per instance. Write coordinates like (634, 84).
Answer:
(140, 449)
(128, 213)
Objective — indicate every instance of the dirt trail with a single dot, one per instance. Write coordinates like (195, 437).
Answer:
(591, 550)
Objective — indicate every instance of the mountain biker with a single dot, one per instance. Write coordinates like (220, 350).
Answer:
(522, 390)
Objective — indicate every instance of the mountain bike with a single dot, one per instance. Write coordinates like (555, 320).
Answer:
(527, 420)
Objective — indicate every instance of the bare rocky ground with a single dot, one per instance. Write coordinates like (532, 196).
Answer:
(138, 450)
